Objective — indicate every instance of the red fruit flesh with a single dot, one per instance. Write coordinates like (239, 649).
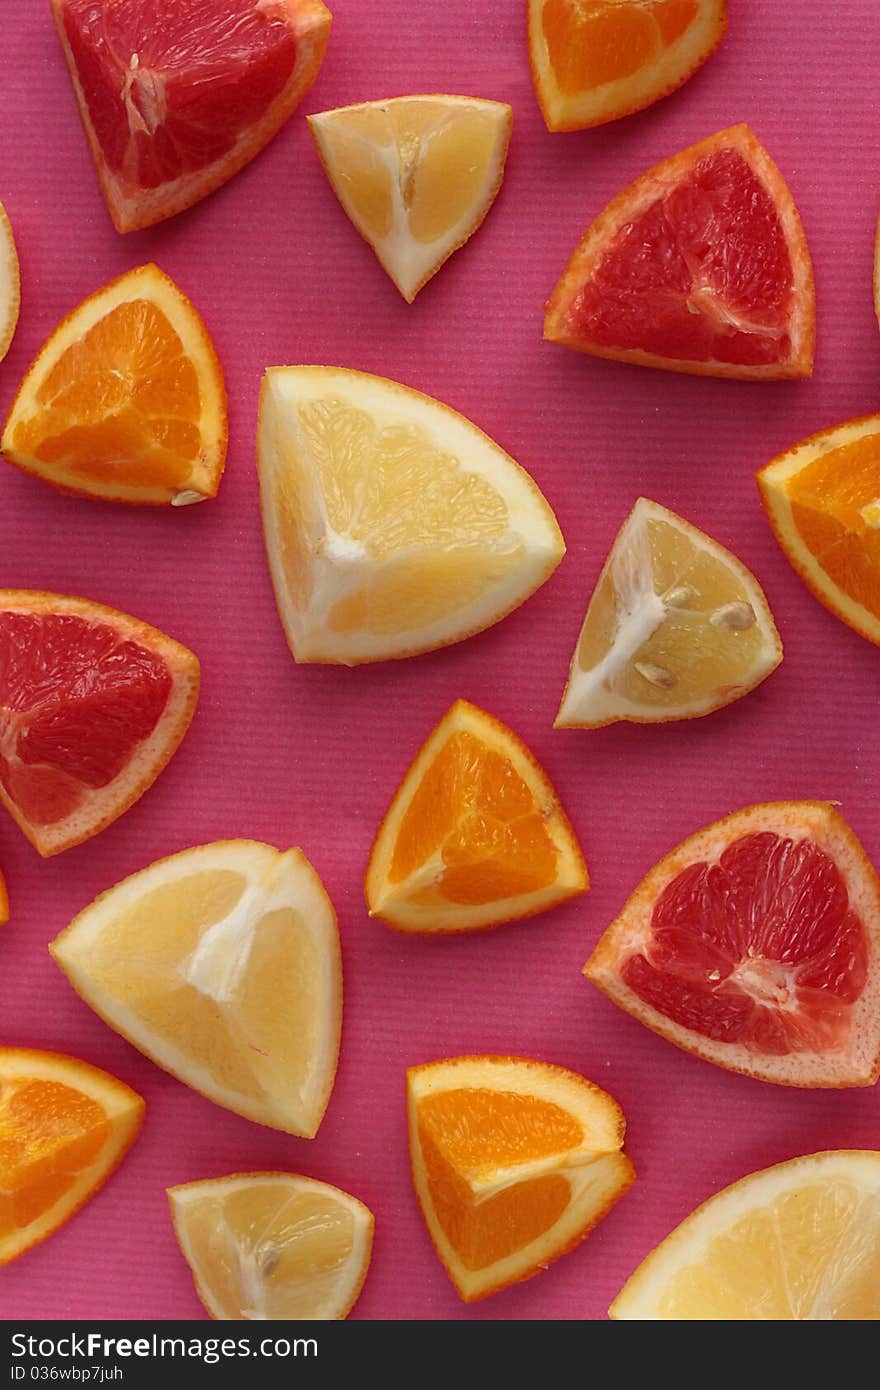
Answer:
(171, 84)
(702, 274)
(76, 697)
(760, 948)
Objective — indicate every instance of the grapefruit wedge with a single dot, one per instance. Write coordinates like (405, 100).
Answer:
(177, 95)
(699, 266)
(93, 703)
(596, 60)
(755, 945)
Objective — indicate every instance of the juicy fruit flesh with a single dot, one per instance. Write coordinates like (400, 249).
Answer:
(423, 161)
(170, 84)
(232, 991)
(387, 496)
(810, 1253)
(591, 42)
(831, 503)
(476, 820)
(685, 655)
(703, 273)
(49, 1133)
(122, 404)
(269, 1251)
(759, 948)
(471, 1130)
(76, 698)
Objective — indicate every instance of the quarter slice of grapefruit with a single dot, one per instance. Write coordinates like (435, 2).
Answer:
(64, 1127)
(514, 1162)
(799, 1242)
(699, 266)
(822, 498)
(93, 703)
(596, 60)
(416, 175)
(677, 627)
(10, 284)
(177, 95)
(475, 835)
(756, 945)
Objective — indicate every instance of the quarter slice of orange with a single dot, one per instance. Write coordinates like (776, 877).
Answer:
(125, 400)
(64, 1127)
(4, 902)
(475, 835)
(513, 1161)
(596, 60)
(10, 284)
(822, 499)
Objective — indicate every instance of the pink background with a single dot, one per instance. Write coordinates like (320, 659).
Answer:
(310, 756)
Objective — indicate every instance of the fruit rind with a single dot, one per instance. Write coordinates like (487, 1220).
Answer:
(391, 906)
(820, 821)
(394, 403)
(771, 482)
(611, 1169)
(637, 1300)
(156, 751)
(658, 79)
(460, 234)
(618, 709)
(180, 1195)
(641, 193)
(147, 207)
(120, 1103)
(149, 282)
(70, 951)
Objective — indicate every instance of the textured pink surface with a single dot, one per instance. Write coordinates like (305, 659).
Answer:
(310, 756)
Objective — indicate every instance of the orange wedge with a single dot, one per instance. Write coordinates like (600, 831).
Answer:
(822, 498)
(4, 902)
(799, 1242)
(513, 1162)
(125, 400)
(416, 175)
(10, 284)
(475, 835)
(93, 704)
(596, 60)
(273, 1246)
(64, 1127)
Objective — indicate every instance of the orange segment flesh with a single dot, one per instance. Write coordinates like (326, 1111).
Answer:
(126, 399)
(475, 835)
(596, 60)
(823, 501)
(63, 1128)
(513, 1162)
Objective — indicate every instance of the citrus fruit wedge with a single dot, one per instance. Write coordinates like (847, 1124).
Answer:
(797, 1242)
(4, 902)
(93, 704)
(822, 499)
(64, 1127)
(10, 284)
(222, 965)
(699, 266)
(416, 175)
(596, 60)
(475, 835)
(175, 98)
(676, 627)
(393, 525)
(513, 1161)
(755, 945)
(273, 1246)
(125, 400)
